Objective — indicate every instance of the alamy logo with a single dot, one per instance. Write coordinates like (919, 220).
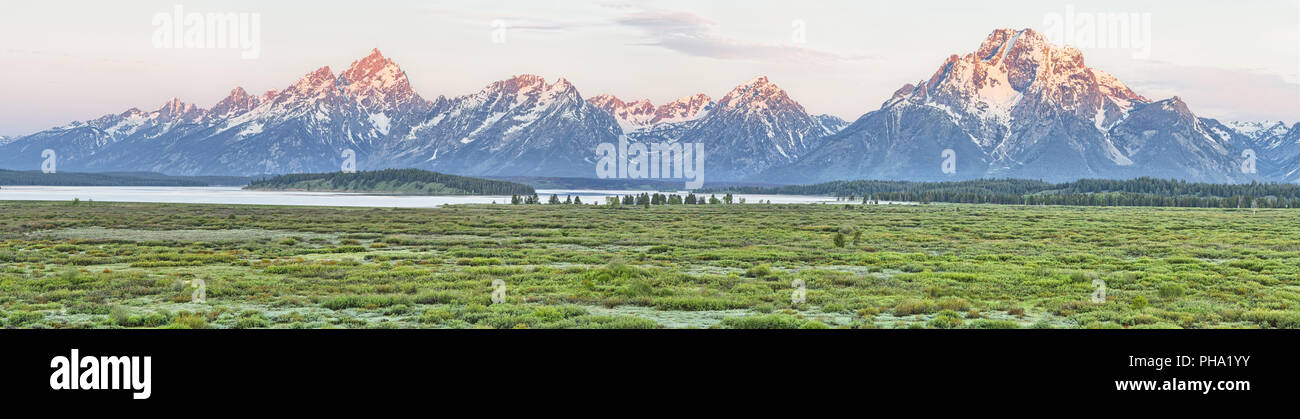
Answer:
(50, 163)
(651, 161)
(1101, 30)
(349, 161)
(498, 291)
(1098, 291)
(799, 31)
(1248, 165)
(102, 373)
(200, 294)
(499, 28)
(949, 164)
(242, 31)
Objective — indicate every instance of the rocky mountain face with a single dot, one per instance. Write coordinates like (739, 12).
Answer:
(302, 128)
(1017, 106)
(1021, 107)
(753, 127)
(642, 114)
(523, 126)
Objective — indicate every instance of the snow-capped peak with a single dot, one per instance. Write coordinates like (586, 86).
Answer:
(1258, 129)
(321, 80)
(630, 115)
(686, 108)
(643, 113)
(377, 82)
(237, 102)
(756, 95)
(1020, 74)
(176, 110)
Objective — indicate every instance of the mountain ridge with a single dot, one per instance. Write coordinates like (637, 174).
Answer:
(1015, 106)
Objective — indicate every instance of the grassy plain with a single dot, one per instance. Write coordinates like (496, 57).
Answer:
(109, 265)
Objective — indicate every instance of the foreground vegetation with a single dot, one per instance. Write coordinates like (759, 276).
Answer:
(118, 265)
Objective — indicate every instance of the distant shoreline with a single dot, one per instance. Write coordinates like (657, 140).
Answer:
(360, 192)
(36, 178)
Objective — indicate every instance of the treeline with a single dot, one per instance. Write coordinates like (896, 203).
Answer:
(645, 199)
(404, 181)
(1087, 192)
(35, 178)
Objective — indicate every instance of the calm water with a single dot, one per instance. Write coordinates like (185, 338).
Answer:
(235, 195)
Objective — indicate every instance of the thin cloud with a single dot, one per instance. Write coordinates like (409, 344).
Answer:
(514, 21)
(695, 35)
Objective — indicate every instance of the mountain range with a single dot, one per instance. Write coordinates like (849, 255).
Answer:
(1015, 107)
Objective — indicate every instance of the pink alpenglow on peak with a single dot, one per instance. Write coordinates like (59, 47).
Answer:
(643, 113)
(238, 102)
(1015, 72)
(377, 81)
(757, 95)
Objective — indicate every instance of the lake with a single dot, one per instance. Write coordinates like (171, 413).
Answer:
(235, 195)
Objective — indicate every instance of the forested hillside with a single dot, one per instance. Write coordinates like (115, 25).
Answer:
(394, 181)
(34, 178)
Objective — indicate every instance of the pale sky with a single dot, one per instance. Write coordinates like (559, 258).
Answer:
(76, 60)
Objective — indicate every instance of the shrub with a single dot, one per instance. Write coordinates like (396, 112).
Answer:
(696, 304)
(946, 319)
(25, 318)
(993, 324)
(478, 261)
(1171, 290)
(614, 322)
(435, 297)
(910, 307)
(118, 315)
(636, 289)
(187, 320)
(1139, 302)
(760, 271)
(1273, 318)
(953, 303)
(363, 301)
(251, 320)
(765, 321)
(436, 315)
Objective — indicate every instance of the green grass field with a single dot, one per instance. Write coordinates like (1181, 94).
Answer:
(110, 265)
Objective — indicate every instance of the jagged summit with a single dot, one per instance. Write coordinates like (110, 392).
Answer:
(377, 81)
(176, 110)
(686, 108)
(757, 95)
(1021, 70)
(320, 81)
(237, 102)
(643, 113)
(1014, 106)
(1020, 106)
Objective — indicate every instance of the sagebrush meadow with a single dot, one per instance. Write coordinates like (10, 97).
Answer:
(123, 265)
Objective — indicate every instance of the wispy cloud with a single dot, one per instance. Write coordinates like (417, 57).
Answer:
(695, 35)
(514, 20)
